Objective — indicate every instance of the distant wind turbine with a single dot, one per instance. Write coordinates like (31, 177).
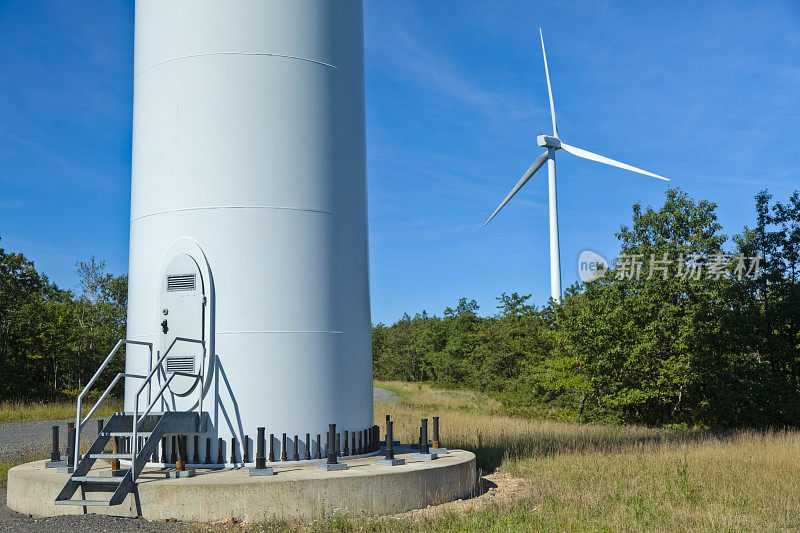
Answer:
(552, 144)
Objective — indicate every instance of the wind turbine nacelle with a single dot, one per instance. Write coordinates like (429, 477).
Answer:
(548, 141)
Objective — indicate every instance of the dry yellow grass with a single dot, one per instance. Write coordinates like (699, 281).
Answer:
(28, 412)
(747, 481)
(473, 421)
(575, 477)
(582, 477)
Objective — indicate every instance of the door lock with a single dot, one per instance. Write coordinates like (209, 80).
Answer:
(164, 327)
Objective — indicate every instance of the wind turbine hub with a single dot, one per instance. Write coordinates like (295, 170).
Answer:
(548, 141)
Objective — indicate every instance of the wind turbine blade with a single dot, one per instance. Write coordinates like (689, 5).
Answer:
(525, 177)
(602, 159)
(549, 90)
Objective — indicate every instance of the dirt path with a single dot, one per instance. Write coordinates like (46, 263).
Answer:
(494, 488)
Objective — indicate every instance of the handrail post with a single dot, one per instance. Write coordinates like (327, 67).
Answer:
(135, 435)
(78, 431)
(149, 368)
(160, 374)
(201, 384)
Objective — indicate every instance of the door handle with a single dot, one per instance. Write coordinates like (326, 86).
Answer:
(164, 327)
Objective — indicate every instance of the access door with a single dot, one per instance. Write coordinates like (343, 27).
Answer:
(182, 315)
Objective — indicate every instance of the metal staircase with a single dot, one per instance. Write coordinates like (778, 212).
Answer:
(152, 426)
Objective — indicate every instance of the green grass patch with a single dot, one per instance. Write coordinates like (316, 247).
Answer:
(4, 468)
(437, 396)
(7, 465)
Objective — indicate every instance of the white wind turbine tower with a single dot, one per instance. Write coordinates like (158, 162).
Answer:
(552, 144)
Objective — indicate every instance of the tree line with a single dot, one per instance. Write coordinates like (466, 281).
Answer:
(686, 328)
(53, 340)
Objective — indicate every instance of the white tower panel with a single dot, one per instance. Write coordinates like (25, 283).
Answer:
(249, 157)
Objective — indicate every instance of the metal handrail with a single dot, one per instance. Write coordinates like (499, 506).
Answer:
(160, 360)
(80, 423)
(152, 401)
(107, 391)
(161, 391)
(137, 421)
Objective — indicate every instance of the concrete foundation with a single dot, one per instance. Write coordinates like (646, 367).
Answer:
(293, 493)
(175, 474)
(332, 468)
(390, 462)
(262, 471)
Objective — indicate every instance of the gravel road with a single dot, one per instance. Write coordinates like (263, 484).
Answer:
(383, 396)
(11, 521)
(23, 439)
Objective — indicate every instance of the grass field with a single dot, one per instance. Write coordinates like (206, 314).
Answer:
(554, 476)
(573, 477)
(28, 412)
(4, 466)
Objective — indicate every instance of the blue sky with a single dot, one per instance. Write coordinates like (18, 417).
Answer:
(706, 93)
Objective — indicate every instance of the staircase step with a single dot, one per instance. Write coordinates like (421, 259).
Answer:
(83, 502)
(154, 427)
(147, 433)
(95, 479)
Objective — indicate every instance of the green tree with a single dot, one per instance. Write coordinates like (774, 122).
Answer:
(766, 310)
(49, 339)
(100, 310)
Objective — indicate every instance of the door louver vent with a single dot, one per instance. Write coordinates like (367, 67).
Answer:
(180, 363)
(181, 282)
